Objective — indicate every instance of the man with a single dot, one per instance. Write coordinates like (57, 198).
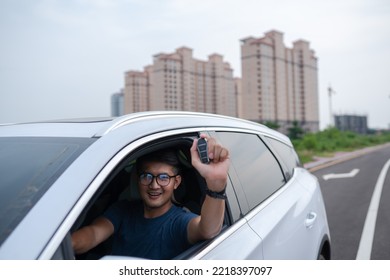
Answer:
(156, 228)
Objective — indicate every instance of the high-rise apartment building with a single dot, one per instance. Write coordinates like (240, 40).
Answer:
(117, 104)
(279, 84)
(136, 91)
(177, 81)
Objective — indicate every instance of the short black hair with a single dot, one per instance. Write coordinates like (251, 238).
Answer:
(167, 156)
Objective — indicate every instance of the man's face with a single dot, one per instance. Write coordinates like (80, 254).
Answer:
(157, 198)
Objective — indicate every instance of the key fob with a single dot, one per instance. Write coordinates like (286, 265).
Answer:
(203, 151)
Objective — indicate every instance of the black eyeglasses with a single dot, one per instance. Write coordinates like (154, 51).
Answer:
(162, 179)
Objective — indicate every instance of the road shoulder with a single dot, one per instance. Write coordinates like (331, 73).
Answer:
(322, 162)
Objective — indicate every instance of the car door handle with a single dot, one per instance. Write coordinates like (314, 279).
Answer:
(310, 219)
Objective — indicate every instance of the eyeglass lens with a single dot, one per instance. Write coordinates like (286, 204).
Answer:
(162, 179)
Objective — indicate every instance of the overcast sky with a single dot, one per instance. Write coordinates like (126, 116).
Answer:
(64, 58)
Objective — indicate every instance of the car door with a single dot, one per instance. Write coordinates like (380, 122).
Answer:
(315, 220)
(277, 209)
(286, 224)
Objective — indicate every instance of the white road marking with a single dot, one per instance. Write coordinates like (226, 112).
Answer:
(341, 175)
(365, 246)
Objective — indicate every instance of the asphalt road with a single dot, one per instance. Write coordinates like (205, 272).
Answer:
(347, 192)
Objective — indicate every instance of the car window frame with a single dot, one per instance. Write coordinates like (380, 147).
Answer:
(65, 250)
(281, 158)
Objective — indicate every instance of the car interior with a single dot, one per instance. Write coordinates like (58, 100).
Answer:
(122, 184)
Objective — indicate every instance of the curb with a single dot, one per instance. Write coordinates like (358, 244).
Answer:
(341, 157)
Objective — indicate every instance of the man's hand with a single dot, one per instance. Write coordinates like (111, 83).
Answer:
(215, 173)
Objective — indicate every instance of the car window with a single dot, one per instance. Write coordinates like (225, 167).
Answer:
(287, 155)
(233, 207)
(257, 169)
(28, 166)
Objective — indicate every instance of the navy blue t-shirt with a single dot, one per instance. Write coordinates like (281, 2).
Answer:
(163, 237)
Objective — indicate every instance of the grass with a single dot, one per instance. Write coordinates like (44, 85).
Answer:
(329, 141)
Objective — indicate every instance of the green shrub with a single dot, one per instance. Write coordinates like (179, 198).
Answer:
(332, 140)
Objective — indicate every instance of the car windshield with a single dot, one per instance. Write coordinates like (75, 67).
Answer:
(28, 167)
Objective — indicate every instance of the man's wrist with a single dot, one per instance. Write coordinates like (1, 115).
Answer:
(218, 195)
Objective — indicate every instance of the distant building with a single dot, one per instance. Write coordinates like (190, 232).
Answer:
(352, 123)
(279, 84)
(177, 81)
(117, 105)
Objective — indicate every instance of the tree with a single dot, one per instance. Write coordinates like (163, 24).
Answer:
(272, 125)
(296, 131)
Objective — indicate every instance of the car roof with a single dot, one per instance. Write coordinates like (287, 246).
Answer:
(56, 128)
(149, 122)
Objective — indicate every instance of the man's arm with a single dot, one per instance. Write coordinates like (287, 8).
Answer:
(92, 235)
(209, 223)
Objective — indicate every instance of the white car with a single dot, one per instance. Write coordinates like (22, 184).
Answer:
(58, 176)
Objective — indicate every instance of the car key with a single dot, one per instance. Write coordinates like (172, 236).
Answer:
(203, 150)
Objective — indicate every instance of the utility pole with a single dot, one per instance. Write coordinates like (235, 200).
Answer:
(388, 126)
(330, 92)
